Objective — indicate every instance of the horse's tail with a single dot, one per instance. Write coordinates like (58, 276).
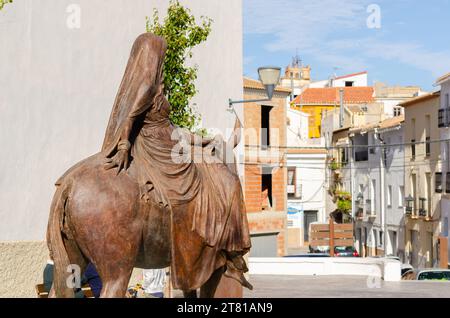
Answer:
(55, 243)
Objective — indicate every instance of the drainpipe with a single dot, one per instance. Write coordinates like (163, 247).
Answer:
(341, 108)
(352, 153)
(382, 189)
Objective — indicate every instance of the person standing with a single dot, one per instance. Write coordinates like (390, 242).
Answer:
(154, 281)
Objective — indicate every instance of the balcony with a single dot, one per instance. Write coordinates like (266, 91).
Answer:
(422, 213)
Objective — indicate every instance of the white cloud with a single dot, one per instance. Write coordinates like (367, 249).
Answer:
(311, 27)
(301, 23)
(413, 54)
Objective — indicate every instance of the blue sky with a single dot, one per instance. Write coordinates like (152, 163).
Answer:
(412, 46)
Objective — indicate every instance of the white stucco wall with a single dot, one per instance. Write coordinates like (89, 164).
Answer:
(310, 178)
(445, 156)
(298, 126)
(358, 80)
(394, 176)
(58, 86)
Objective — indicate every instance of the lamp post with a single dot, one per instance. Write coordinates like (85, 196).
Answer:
(360, 201)
(409, 200)
(269, 77)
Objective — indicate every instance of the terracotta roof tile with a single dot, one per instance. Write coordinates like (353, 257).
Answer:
(392, 122)
(351, 75)
(387, 123)
(330, 95)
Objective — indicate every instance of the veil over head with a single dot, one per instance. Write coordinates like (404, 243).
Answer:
(143, 76)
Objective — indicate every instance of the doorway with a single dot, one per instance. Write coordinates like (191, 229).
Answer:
(309, 217)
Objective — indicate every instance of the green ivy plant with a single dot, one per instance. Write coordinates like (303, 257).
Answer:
(344, 201)
(3, 2)
(182, 33)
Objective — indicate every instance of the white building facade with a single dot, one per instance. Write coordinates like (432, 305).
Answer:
(306, 162)
(351, 80)
(377, 186)
(444, 125)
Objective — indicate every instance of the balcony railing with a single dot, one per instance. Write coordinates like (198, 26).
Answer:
(422, 212)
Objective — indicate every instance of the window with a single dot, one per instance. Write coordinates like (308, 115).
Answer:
(266, 188)
(414, 191)
(441, 118)
(447, 111)
(438, 182)
(291, 188)
(389, 196)
(380, 241)
(397, 111)
(344, 156)
(265, 126)
(447, 182)
(413, 139)
(349, 84)
(428, 132)
(401, 196)
(445, 230)
(373, 196)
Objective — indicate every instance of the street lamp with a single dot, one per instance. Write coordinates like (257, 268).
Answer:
(360, 200)
(269, 76)
(409, 200)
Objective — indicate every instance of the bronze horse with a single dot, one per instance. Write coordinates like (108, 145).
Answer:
(154, 210)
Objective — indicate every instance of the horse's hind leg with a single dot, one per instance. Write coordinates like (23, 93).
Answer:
(190, 293)
(115, 268)
(115, 271)
(208, 290)
(116, 285)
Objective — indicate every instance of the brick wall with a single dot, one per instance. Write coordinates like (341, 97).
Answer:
(274, 220)
(270, 223)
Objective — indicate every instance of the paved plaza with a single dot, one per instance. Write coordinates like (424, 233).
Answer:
(342, 287)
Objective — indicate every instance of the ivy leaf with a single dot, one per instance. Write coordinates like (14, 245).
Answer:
(182, 33)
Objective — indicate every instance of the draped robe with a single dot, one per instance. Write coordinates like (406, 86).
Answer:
(204, 198)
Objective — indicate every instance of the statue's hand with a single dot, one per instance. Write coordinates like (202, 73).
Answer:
(120, 160)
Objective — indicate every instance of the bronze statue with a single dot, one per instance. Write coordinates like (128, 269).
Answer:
(133, 205)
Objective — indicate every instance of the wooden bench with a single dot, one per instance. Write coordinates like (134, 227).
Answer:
(41, 293)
